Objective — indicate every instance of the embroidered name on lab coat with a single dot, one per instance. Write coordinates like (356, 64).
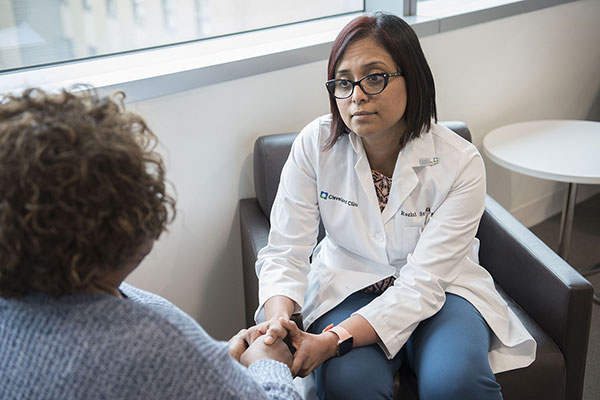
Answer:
(408, 213)
(415, 213)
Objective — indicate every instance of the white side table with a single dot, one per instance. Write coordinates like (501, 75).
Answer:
(558, 150)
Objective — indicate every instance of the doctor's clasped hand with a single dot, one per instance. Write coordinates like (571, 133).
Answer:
(311, 349)
(277, 307)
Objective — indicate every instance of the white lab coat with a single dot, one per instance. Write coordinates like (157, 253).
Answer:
(425, 237)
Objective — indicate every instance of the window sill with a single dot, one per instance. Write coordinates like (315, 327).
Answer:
(158, 72)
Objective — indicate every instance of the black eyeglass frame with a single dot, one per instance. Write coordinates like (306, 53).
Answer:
(330, 84)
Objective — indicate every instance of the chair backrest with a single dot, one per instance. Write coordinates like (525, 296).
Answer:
(271, 152)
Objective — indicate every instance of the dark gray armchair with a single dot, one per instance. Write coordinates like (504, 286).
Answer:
(552, 299)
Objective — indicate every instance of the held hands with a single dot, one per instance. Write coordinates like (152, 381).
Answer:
(259, 350)
(265, 341)
(311, 350)
(271, 329)
(245, 351)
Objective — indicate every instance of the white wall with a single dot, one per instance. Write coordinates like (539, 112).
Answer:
(543, 64)
(540, 65)
(208, 135)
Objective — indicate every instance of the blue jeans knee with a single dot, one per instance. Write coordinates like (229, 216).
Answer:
(357, 375)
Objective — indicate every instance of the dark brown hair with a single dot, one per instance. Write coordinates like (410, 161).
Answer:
(401, 42)
(81, 189)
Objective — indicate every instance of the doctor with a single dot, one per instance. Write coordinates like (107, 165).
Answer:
(396, 278)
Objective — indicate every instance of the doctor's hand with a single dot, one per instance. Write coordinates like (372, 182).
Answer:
(311, 350)
(275, 307)
(271, 329)
(258, 350)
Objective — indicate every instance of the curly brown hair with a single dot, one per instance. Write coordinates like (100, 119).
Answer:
(81, 189)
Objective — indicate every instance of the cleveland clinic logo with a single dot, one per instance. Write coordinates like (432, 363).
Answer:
(326, 196)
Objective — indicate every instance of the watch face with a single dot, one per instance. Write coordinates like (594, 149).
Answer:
(345, 346)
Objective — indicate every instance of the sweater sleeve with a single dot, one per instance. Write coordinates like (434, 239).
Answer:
(275, 378)
(221, 377)
(178, 359)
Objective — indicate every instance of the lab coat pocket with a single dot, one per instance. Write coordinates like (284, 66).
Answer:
(411, 235)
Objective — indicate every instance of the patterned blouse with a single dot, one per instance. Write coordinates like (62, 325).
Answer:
(383, 184)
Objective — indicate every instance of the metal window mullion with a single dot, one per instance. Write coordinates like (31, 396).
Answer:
(393, 6)
(410, 7)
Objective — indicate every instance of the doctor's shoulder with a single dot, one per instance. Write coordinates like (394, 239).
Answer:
(457, 157)
(451, 144)
(316, 132)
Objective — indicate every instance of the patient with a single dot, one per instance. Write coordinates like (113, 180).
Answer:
(82, 200)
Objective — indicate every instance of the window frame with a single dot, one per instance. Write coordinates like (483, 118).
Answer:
(146, 74)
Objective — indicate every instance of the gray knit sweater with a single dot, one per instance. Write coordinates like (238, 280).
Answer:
(97, 346)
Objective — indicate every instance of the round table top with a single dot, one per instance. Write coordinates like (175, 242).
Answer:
(559, 150)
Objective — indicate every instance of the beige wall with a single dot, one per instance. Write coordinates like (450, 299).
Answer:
(543, 64)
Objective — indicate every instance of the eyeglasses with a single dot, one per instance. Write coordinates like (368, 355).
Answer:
(370, 84)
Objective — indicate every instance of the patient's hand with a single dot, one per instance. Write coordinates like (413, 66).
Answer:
(258, 350)
(238, 344)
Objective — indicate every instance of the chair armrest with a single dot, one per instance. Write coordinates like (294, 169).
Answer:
(255, 234)
(548, 289)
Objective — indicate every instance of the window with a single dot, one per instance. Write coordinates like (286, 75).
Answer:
(445, 8)
(86, 4)
(138, 11)
(111, 8)
(168, 11)
(50, 31)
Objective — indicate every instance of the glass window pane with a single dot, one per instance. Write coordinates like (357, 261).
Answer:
(34, 32)
(443, 8)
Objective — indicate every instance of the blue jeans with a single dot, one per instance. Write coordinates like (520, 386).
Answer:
(447, 352)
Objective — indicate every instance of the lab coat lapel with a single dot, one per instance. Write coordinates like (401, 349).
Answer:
(363, 170)
(404, 181)
(416, 154)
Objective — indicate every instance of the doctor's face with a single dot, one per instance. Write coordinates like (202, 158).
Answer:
(371, 116)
